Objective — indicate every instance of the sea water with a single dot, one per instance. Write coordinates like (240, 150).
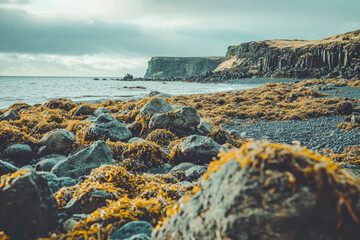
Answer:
(34, 90)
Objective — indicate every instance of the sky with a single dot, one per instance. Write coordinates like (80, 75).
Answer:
(113, 37)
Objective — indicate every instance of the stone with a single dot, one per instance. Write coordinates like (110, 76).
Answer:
(195, 149)
(10, 115)
(205, 127)
(58, 141)
(345, 108)
(100, 111)
(6, 168)
(159, 121)
(162, 170)
(355, 119)
(186, 121)
(28, 208)
(156, 105)
(154, 93)
(83, 110)
(19, 154)
(128, 77)
(194, 173)
(182, 167)
(56, 183)
(132, 228)
(136, 139)
(73, 220)
(47, 162)
(269, 195)
(81, 163)
(107, 127)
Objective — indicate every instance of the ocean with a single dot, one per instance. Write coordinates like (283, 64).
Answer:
(35, 90)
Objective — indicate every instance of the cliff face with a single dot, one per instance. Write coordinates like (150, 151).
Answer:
(167, 67)
(337, 56)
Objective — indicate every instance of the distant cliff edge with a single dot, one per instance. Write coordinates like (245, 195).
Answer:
(167, 67)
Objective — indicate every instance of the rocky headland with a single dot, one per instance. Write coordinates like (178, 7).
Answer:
(186, 167)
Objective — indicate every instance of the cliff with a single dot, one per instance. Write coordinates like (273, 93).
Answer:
(337, 56)
(168, 67)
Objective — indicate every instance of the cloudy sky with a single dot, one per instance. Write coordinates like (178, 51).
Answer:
(113, 37)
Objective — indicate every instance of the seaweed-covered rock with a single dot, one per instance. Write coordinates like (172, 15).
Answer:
(195, 149)
(19, 154)
(6, 168)
(186, 121)
(47, 162)
(28, 208)
(270, 191)
(83, 110)
(107, 127)
(132, 229)
(100, 111)
(58, 141)
(81, 163)
(156, 105)
(10, 115)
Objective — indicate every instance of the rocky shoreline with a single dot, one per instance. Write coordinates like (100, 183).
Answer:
(148, 169)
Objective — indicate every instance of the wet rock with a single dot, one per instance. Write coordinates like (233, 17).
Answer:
(19, 154)
(83, 162)
(132, 229)
(28, 208)
(73, 220)
(195, 149)
(10, 115)
(88, 202)
(159, 121)
(154, 93)
(136, 139)
(345, 108)
(56, 183)
(58, 141)
(162, 170)
(100, 111)
(47, 162)
(186, 121)
(272, 196)
(107, 127)
(182, 167)
(205, 127)
(355, 119)
(83, 110)
(194, 173)
(6, 168)
(156, 105)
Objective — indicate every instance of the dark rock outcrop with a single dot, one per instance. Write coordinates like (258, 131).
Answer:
(28, 208)
(165, 67)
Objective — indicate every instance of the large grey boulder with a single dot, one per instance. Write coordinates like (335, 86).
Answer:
(58, 141)
(195, 149)
(19, 154)
(6, 168)
(132, 229)
(10, 115)
(275, 196)
(47, 162)
(159, 121)
(81, 163)
(186, 121)
(156, 105)
(107, 127)
(28, 208)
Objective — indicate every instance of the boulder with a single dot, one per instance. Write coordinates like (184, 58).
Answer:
(58, 141)
(107, 127)
(154, 93)
(47, 162)
(156, 105)
(81, 163)
(28, 208)
(205, 127)
(6, 168)
(73, 220)
(186, 121)
(160, 121)
(19, 154)
(128, 77)
(194, 173)
(132, 229)
(56, 183)
(83, 110)
(345, 108)
(195, 149)
(100, 111)
(136, 139)
(270, 191)
(10, 115)
(182, 167)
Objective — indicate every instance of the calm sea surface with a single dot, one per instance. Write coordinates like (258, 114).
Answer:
(33, 90)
